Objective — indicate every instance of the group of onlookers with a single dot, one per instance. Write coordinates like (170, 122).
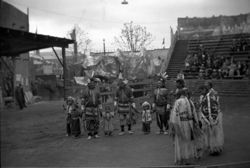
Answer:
(210, 66)
(239, 45)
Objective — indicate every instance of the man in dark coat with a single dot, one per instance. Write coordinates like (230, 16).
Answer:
(19, 93)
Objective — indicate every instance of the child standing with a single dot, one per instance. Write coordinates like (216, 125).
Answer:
(146, 117)
(108, 115)
(68, 108)
(75, 120)
(72, 119)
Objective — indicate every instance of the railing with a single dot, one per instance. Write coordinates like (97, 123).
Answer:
(170, 52)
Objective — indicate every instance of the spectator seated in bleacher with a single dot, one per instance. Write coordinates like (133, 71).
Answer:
(202, 72)
(232, 69)
(215, 74)
(245, 68)
(239, 68)
(239, 45)
(224, 70)
(243, 44)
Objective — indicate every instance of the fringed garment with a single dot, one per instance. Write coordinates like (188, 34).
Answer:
(92, 119)
(197, 131)
(91, 102)
(182, 131)
(124, 97)
(212, 122)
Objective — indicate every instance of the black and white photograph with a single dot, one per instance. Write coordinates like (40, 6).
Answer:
(125, 83)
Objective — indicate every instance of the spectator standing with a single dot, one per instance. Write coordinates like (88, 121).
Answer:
(19, 93)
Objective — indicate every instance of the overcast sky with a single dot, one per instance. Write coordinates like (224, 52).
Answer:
(105, 18)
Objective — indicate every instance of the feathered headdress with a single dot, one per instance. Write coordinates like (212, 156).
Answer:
(93, 78)
(162, 76)
(121, 78)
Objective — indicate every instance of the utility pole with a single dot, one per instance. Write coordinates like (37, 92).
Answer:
(73, 37)
(28, 18)
(65, 75)
(104, 49)
(75, 46)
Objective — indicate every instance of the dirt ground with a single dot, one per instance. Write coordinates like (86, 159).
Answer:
(35, 136)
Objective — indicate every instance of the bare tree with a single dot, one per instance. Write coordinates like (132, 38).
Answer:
(81, 37)
(133, 37)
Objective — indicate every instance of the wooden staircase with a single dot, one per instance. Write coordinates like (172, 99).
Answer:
(177, 58)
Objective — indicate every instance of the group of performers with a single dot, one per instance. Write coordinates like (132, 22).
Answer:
(194, 127)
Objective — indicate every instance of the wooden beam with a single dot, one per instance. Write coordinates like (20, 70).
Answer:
(57, 56)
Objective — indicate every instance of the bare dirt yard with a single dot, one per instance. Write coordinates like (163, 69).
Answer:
(35, 137)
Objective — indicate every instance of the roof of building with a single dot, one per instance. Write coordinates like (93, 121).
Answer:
(14, 42)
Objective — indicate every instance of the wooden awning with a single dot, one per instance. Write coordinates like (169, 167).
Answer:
(15, 42)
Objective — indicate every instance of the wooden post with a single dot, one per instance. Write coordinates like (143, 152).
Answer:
(14, 79)
(104, 49)
(64, 73)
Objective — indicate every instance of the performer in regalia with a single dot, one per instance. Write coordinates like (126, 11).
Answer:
(91, 106)
(197, 132)
(161, 105)
(123, 103)
(211, 117)
(181, 125)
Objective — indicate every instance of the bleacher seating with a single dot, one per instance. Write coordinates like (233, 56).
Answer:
(219, 46)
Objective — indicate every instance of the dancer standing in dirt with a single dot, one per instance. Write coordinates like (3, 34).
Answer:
(91, 106)
(123, 103)
(182, 129)
(161, 105)
(211, 117)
